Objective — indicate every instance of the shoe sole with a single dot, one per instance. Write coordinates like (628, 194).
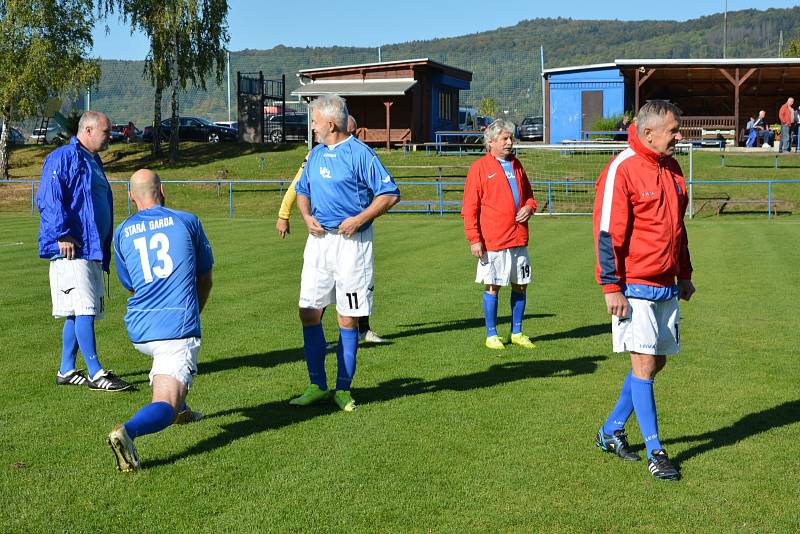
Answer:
(119, 449)
(126, 388)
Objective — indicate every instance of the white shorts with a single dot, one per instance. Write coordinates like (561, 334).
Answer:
(338, 269)
(503, 267)
(173, 357)
(651, 328)
(76, 288)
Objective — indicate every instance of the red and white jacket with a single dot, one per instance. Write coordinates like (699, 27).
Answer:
(488, 207)
(639, 207)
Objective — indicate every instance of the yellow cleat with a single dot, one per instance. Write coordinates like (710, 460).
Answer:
(495, 343)
(311, 395)
(522, 340)
(344, 401)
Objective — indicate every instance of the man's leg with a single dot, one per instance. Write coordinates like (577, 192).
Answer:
(346, 354)
(69, 346)
(518, 302)
(612, 437)
(314, 348)
(84, 333)
(490, 297)
(644, 370)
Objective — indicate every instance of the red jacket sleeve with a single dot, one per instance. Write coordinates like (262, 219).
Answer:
(527, 192)
(610, 221)
(471, 205)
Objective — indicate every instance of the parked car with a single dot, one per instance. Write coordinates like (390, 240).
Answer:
(194, 129)
(228, 124)
(118, 133)
(296, 127)
(531, 129)
(467, 118)
(52, 134)
(15, 137)
(484, 122)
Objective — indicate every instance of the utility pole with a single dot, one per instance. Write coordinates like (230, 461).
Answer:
(725, 33)
(229, 85)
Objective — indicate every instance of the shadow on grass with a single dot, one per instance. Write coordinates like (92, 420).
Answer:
(278, 414)
(748, 426)
(435, 327)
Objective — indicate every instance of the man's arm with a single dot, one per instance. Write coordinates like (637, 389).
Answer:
(470, 211)
(528, 207)
(380, 205)
(289, 198)
(610, 222)
(203, 289)
(304, 206)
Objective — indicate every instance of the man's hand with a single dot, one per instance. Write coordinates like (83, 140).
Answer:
(524, 214)
(282, 226)
(314, 228)
(68, 246)
(685, 289)
(617, 304)
(476, 249)
(350, 226)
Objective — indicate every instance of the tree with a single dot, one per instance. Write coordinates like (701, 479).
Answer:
(187, 43)
(43, 49)
(793, 46)
(488, 107)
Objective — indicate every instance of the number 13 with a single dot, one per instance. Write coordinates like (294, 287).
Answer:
(160, 243)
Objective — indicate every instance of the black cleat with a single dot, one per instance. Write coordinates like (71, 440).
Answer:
(72, 378)
(616, 443)
(660, 466)
(108, 381)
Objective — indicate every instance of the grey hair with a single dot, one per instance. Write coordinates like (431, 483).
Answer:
(494, 129)
(90, 118)
(655, 110)
(332, 107)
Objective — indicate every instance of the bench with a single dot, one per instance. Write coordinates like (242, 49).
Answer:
(720, 203)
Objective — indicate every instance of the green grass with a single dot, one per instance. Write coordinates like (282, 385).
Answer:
(448, 436)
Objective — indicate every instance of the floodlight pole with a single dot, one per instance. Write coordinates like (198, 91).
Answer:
(229, 85)
(725, 32)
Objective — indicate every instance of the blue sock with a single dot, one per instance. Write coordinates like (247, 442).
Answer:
(644, 403)
(490, 313)
(69, 346)
(518, 301)
(623, 409)
(346, 357)
(149, 419)
(314, 347)
(84, 331)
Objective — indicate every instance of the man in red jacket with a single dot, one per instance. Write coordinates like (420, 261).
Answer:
(787, 117)
(498, 201)
(642, 248)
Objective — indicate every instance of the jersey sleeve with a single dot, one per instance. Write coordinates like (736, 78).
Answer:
(303, 187)
(471, 204)
(611, 222)
(379, 179)
(203, 253)
(122, 269)
(527, 192)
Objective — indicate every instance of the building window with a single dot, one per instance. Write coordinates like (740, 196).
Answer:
(445, 105)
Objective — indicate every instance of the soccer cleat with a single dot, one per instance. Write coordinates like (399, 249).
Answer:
(344, 401)
(495, 342)
(187, 416)
(123, 448)
(108, 381)
(616, 443)
(371, 337)
(312, 394)
(660, 466)
(522, 340)
(72, 378)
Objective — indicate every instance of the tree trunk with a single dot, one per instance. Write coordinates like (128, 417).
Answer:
(5, 115)
(155, 149)
(174, 132)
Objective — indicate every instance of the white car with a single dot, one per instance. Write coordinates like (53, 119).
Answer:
(51, 134)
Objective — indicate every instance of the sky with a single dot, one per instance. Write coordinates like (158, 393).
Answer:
(263, 24)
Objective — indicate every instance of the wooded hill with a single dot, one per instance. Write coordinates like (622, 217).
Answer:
(505, 62)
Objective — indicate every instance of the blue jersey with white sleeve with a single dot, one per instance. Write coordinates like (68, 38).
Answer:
(342, 180)
(159, 254)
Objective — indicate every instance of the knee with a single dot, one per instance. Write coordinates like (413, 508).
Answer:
(310, 316)
(492, 289)
(517, 288)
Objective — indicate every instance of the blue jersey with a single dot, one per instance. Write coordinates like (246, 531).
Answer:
(341, 181)
(159, 254)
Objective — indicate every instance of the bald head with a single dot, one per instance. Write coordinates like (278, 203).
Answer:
(352, 125)
(146, 189)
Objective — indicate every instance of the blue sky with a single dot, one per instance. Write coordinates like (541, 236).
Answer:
(262, 25)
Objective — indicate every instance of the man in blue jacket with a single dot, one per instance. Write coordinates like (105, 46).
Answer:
(77, 219)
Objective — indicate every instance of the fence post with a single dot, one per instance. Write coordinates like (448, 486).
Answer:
(440, 191)
(33, 198)
(769, 199)
(549, 199)
(230, 199)
(691, 182)
(776, 162)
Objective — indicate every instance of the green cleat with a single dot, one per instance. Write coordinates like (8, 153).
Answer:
(495, 342)
(311, 395)
(344, 401)
(522, 340)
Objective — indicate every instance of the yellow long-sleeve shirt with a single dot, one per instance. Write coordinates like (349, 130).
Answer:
(289, 198)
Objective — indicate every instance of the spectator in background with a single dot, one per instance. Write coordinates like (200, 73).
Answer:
(622, 126)
(764, 136)
(750, 141)
(788, 119)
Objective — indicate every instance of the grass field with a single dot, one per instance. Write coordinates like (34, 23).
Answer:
(448, 436)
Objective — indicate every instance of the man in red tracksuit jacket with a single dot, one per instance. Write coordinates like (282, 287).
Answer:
(498, 201)
(642, 249)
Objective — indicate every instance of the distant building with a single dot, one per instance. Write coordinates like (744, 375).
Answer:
(394, 102)
(712, 93)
